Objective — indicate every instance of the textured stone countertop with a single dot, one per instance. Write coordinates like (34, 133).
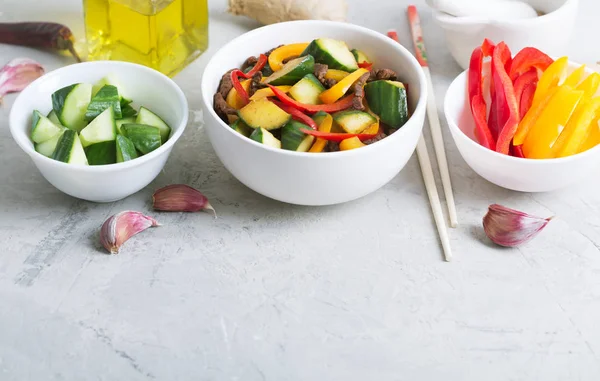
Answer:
(270, 291)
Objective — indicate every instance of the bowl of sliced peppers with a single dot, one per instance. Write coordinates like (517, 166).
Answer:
(526, 122)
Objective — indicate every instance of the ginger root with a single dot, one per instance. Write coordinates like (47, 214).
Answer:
(274, 11)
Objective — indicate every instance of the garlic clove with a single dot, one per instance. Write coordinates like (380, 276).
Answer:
(17, 74)
(510, 228)
(120, 227)
(180, 198)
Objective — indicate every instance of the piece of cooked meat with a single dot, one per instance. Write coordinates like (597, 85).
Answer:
(359, 92)
(383, 74)
(255, 84)
(222, 108)
(380, 135)
(250, 62)
(225, 85)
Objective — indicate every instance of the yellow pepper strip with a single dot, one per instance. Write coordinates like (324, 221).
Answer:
(589, 86)
(267, 92)
(372, 129)
(338, 91)
(233, 99)
(539, 141)
(351, 143)
(320, 143)
(278, 55)
(551, 78)
(531, 117)
(338, 75)
(592, 139)
(576, 130)
(575, 77)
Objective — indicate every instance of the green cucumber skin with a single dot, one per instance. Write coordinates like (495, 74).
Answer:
(67, 146)
(360, 56)
(257, 135)
(323, 57)
(241, 127)
(59, 98)
(107, 96)
(388, 101)
(126, 110)
(291, 136)
(48, 147)
(125, 149)
(145, 138)
(101, 153)
(120, 122)
(147, 117)
(306, 66)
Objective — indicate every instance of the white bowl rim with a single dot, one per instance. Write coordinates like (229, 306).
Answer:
(105, 167)
(421, 103)
(454, 126)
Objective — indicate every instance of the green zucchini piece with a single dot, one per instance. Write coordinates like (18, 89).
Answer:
(101, 153)
(120, 122)
(69, 149)
(126, 110)
(149, 118)
(107, 96)
(265, 114)
(388, 100)
(265, 137)
(53, 118)
(70, 105)
(241, 127)
(145, 138)
(101, 129)
(47, 148)
(42, 128)
(354, 121)
(360, 56)
(307, 90)
(125, 149)
(293, 139)
(333, 53)
(292, 72)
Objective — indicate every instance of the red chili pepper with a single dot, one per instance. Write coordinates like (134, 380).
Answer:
(47, 35)
(478, 107)
(340, 105)
(508, 106)
(297, 115)
(366, 65)
(238, 86)
(337, 137)
(260, 64)
(527, 59)
(526, 99)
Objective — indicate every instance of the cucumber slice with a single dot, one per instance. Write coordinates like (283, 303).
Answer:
(354, 121)
(101, 129)
(388, 100)
(292, 72)
(107, 96)
(69, 149)
(126, 110)
(295, 140)
(47, 148)
(101, 153)
(265, 114)
(360, 56)
(149, 118)
(125, 149)
(307, 90)
(333, 53)
(113, 81)
(120, 122)
(70, 104)
(42, 128)
(53, 118)
(241, 127)
(265, 137)
(145, 138)
(319, 116)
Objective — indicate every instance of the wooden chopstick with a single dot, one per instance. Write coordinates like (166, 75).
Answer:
(429, 180)
(432, 115)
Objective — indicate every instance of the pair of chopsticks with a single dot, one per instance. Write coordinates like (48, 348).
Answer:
(438, 141)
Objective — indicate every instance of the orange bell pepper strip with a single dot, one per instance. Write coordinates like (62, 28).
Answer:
(320, 143)
(544, 133)
(527, 59)
(589, 86)
(278, 55)
(339, 90)
(574, 133)
(530, 118)
(507, 104)
(592, 138)
(551, 78)
(351, 143)
(338, 75)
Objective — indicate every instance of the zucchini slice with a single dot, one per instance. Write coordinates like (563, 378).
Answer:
(354, 121)
(293, 139)
(293, 71)
(333, 53)
(265, 114)
(101, 129)
(47, 148)
(145, 138)
(307, 90)
(69, 149)
(125, 149)
(149, 118)
(241, 127)
(107, 96)
(42, 128)
(360, 56)
(70, 105)
(101, 153)
(387, 99)
(120, 122)
(265, 137)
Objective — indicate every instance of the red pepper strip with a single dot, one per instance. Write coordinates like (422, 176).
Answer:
(238, 86)
(297, 114)
(521, 83)
(526, 99)
(337, 137)
(475, 69)
(526, 59)
(366, 65)
(518, 151)
(260, 64)
(478, 107)
(487, 47)
(508, 106)
(340, 105)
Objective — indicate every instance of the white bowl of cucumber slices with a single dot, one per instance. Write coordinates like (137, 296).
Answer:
(99, 131)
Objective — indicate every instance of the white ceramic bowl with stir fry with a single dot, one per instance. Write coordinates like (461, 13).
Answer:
(306, 178)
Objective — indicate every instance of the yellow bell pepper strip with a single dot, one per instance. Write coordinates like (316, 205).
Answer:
(337, 75)
(233, 97)
(338, 91)
(267, 92)
(372, 129)
(280, 54)
(325, 126)
(530, 118)
(551, 78)
(539, 141)
(574, 133)
(592, 139)
(575, 77)
(589, 86)
(351, 143)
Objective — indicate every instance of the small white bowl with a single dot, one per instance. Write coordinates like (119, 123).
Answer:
(525, 175)
(310, 178)
(102, 183)
(550, 33)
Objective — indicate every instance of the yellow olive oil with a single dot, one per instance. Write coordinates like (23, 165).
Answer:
(163, 34)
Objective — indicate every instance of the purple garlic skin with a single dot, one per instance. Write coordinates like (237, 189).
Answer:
(181, 198)
(118, 228)
(17, 74)
(510, 228)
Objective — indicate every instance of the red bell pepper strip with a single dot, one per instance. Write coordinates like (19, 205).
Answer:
(487, 47)
(365, 65)
(297, 115)
(523, 82)
(260, 64)
(340, 105)
(526, 99)
(478, 107)
(238, 86)
(518, 151)
(508, 106)
(335, 136)
(527, 59)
